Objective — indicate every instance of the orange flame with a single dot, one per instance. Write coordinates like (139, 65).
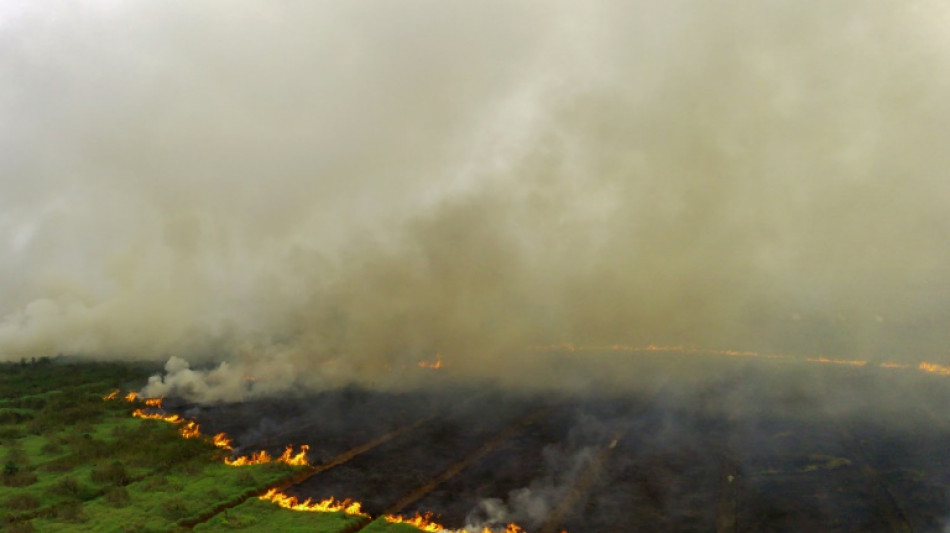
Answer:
(421, 521)
(510, 528)
(330, 505)
(154, 402)
(435, 366)
(221, 440)
(189, 430)
(256, 458)
(425, 523)
(261, 457)
(823, 359)
(935, 369)
(111, 396)
(893, 365)
(295, 459)
(171, 419)
(131, 396)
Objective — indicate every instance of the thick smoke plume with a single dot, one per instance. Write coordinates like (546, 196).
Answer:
(319, 193)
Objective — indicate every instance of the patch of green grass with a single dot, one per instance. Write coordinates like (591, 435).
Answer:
(381, 525)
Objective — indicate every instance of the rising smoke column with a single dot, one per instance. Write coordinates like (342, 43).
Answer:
(317, 194)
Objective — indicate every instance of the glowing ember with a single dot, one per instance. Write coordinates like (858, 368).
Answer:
(330, 505)
(435, 366)
(935, 369)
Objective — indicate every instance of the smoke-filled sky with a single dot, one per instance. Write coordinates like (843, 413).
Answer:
(315, 191)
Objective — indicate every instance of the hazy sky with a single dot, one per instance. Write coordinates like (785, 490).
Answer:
(334, 189)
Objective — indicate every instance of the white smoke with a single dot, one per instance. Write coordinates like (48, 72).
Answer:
(339, 191)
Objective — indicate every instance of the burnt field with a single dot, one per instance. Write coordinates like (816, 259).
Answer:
(756, 446)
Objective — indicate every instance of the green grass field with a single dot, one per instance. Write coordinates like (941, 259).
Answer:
(74, 462)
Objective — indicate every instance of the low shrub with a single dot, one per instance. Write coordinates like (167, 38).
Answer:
(22, 502)
(113, 473)
(13, 475)
(67, 486)
(21, 527)
(51, 448)
(68, 512)
(174, 508)
(118, 497)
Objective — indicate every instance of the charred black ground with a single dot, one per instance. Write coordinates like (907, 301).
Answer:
(759, 446)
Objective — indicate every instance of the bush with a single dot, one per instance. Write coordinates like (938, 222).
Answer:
(174, 508)
(22, 502)
(246, 479)
(14, 475)
(20, 527)
(62, 464)
(67, 486)
(52, 448)
(15, 454)
(113, 473)
(21, 478)
(14, 417)
(11, 432)
(118, 496)
(69, 512)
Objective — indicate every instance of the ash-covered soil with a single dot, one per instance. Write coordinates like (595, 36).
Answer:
(754, 447)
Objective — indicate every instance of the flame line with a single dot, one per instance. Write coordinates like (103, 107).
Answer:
(924, 366)
(304, 474)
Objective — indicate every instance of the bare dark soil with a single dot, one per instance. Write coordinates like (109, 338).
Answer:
(755, 447)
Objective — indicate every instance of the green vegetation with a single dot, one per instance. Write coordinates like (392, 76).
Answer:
(70, 461)
(381, 525)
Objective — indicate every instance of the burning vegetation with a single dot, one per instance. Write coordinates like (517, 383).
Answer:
(434, 365)
(427, 524)
(190, 429)
(262, 457)
(329, 505)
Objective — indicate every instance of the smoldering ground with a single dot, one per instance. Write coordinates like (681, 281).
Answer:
(318, 194)
(753, 447)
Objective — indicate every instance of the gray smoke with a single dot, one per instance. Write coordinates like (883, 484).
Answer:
(315, 194)
(564, 464)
